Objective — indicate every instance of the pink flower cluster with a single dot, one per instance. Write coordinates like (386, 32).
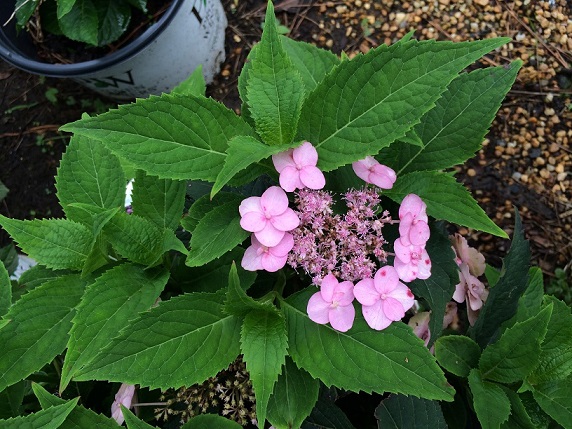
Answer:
(337, 250)
(471, 265)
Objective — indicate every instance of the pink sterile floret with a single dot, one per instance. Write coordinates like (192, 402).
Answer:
(297, 168)
(371, 171)
(333, 304)
(268, 216)
(468, 255)
(413, 221)
(124, 396)
(384, 298)
(260, 257)
(472, 290)
(411, 262)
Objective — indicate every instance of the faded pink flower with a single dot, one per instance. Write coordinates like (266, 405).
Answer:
(124, 396)
(297, 168)
(413, 221)
(268, 216)
(468, 255)
(450, 318)
(472, 290)
(384, 298)
(333, 304)
(261, 257)
(420, 325)
(411, 262)
(371, 171)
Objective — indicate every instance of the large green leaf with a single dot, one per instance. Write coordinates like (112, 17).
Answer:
(502, 302)
(326, 415)
(23, 10)
(64, 6)
(239, 303)
(132, 421)
(79, 418)
(159, 200)
(114, 17)
(365, 104)
(144, 135)
(90, 174)
(81, 22)
(393, 360)
(519, 418)
(457, 354)
(454, 129)
(446, 199)
(38, 330)
(11, 399)
(408, 412)
(54, 243)
(516, 352)
(531, 300)
(116, 297)
(274, 90)
(263, 344)
(491, 403)
(293, 398)
(554, 398)
(193, 85)
(52, 418)
(5, 290)
(180, 342)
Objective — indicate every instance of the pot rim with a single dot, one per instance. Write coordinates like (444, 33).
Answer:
(11, 53)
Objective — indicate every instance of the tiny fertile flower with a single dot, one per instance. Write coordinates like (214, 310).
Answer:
(411, 262)
(371, 171)
(297, 168)
(384, 298)
(261, 257)
(333, 304)
(268, 216)
(413, 227)
(124, 396)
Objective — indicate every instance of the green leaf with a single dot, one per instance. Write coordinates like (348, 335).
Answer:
(393, 360)
(263, 344)
(9, 257)
(363, 105)
(312, 63)
(52, 418)
(274, 90)
(23, 10)
(293, 398)
(142, 133)
(33, 338)
(90, 174)
(519, 418)
(210, 421)
(33, 278)
(530, 302)
(55, 243)
(132, 421)
(193, 85)
(438, 289)
(79, 418)
(457, 354)
(203, 205)
(3, 191)
(556, 349)
(5, 290)
(108, 304)
(407, 412)
(454, 129)
(554, 399)
(502, 302)
(516, 352)
(64, 6)
(114, 17)
(159, 200)
(326, 415)
(489, 400)
(11, 399)
(243, 151)
(135, 238)
(239, 303)
(81, 22)
(217, 232)
(180, 342)
(446, 199)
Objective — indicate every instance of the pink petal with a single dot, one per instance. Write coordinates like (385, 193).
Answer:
(361, 170)
(269, 236)
(374, 316)
(392, 309)
(342, 317)
(251, 260)
(251, 204)
(273, 263)
(312, 177)
(386, 279)
(365, 292)
(274, 201)
(402, 251)
(290, 179)
(318, 309)
(328, 287)
(286, 221)
(124, 396)
(305, 155)
(284, 247)
(460, 290)
(407, 271)
(253, 221)
(347, 289)
(476, 262)
(424, 266)
(419, 233)
(412, 204)
(382, 176)
(402, 294)
(282, 160)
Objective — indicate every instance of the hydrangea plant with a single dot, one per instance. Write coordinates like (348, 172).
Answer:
(273, 261)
